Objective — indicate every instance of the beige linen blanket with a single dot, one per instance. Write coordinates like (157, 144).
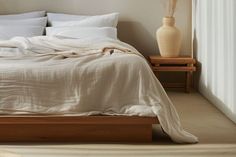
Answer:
(61, 76)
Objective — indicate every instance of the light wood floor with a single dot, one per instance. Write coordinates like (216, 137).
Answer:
(217, 135)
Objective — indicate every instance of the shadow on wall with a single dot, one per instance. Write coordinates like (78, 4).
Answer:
(195, 55)
(132, 32)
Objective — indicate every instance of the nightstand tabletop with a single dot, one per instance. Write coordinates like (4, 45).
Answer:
(155, 59)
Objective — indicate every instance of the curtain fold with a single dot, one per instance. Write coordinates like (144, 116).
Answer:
(215, 48)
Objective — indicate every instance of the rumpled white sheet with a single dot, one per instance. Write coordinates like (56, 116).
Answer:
(51, 75)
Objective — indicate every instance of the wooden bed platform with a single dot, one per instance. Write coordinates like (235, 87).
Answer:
(77, 129)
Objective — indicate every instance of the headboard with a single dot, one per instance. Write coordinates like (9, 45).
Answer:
(138, 23)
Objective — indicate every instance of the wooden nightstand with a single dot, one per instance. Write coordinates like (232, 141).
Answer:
(178, 64)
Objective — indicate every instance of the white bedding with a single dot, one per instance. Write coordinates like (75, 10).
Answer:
(82, 77)
(82, 32)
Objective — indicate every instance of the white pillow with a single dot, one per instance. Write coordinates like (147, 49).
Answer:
(23, 15)
(108, 20)
(64, 17)
(8, 32)
(42, 21)
(94, 21)
(82, 32)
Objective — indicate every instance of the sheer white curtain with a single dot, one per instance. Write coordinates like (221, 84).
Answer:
(215, 48)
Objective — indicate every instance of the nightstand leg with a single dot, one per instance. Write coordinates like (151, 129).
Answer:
(188, 82)
(192, 80)
(156, 73)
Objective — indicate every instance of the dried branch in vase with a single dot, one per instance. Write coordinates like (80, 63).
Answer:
(171, 8)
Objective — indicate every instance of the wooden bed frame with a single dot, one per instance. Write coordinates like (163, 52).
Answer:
(77, 129)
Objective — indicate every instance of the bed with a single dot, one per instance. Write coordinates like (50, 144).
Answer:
(91, 88)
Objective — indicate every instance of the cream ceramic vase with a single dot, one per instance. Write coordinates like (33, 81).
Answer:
(169, 38)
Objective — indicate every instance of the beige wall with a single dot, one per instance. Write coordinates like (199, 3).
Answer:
(138, 22)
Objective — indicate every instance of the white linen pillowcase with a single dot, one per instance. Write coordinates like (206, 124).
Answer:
(100, 21)
(64, 17)
(107, 20)
(34, 14)
(41, 21)
(82, 32)
(8, 32)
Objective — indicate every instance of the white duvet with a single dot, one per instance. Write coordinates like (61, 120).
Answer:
(59, 76)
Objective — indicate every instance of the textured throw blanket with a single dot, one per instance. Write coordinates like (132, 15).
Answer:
(61, 76)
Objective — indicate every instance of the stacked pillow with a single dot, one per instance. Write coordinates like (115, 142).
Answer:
(77, 26)
(26, 25)
(66, 25)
